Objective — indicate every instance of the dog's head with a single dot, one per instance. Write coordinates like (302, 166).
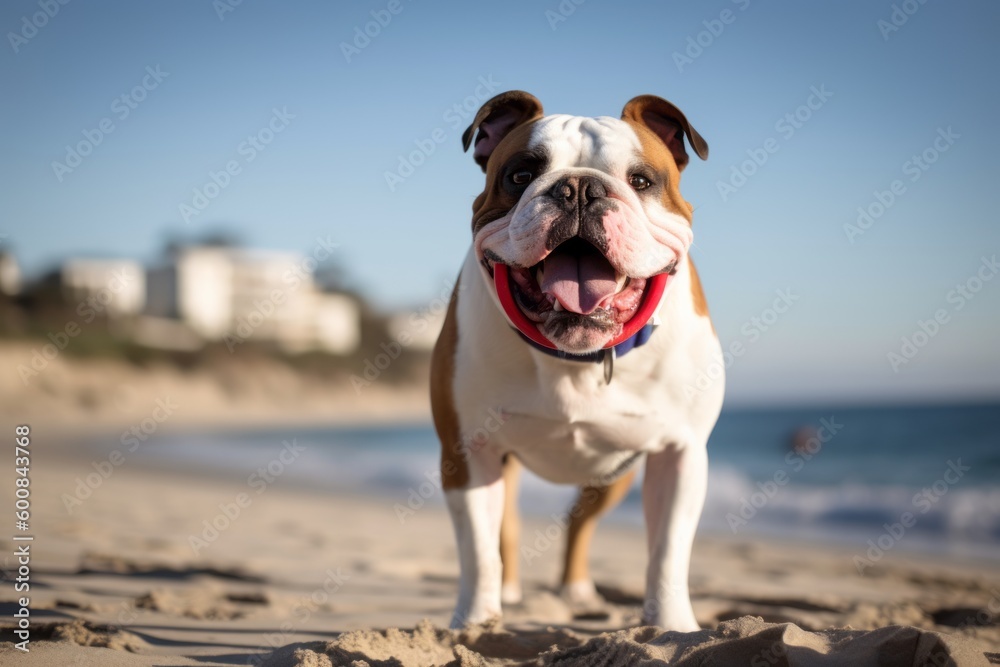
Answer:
(581, 220)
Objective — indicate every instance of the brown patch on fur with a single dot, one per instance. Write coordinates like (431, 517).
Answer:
(662, 160)
(495, 119)
(454, 468)
(592, 502)
(495, 202)
(510, 526)
(668, 123)
(697, 294)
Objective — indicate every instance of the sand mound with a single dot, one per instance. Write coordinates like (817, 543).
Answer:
(203, 603)
(424, 645)
(82, 633)
(748, 641)
(102, 564)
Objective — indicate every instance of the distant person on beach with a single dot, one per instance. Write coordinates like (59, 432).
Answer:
(800, 439)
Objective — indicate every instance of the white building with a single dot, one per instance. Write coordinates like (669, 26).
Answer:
(116, 287)
(10, 275)
(229, 294)
(337, 323)
(418, 329)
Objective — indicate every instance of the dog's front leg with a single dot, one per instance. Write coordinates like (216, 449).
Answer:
(476, 511)
(673, 493)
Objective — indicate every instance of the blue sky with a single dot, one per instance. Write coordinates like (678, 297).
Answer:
(888, 95)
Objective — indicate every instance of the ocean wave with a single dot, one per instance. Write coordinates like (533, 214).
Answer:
(740, 505)
(403, 469)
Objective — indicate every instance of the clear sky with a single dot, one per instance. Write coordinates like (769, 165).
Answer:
(886, 93)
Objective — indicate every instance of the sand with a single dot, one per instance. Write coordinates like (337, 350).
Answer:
(305, 577)
(135, 574)
(71, 394)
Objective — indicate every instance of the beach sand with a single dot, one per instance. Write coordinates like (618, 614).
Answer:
(118, 582)
(72, 395)
(316, 576)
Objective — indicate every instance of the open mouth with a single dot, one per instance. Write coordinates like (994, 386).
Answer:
(575, 286)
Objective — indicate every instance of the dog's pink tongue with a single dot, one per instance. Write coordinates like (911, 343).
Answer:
(580, 283)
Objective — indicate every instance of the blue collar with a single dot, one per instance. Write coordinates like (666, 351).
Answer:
(638, 339)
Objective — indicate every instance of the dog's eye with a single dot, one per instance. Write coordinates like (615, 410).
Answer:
(639, 182)
(521, 177)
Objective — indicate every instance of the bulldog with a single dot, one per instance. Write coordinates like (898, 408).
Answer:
(572, 346)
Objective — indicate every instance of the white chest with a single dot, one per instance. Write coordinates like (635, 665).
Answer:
(560, 417)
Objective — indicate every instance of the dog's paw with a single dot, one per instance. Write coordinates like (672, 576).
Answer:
(584, 601)
(581, 593)
(678, 620)
(511, 593)
(465, 619)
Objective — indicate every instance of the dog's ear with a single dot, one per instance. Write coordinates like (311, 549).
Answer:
(668, 123)
(496, 119)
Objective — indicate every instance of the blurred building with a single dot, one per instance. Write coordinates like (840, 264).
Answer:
(114, 287)
(418, 329)
(237, 295)
(10, 274)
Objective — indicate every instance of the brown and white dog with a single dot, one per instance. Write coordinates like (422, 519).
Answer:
(578, 228)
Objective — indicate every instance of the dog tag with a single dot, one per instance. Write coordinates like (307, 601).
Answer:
(609, 365)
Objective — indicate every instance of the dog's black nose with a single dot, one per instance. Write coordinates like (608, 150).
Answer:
(590, 189)
(564, 190)
(585, 188)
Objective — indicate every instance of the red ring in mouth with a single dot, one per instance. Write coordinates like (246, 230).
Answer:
(655, 285)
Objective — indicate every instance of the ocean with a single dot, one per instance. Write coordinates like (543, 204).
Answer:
(925, 478)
